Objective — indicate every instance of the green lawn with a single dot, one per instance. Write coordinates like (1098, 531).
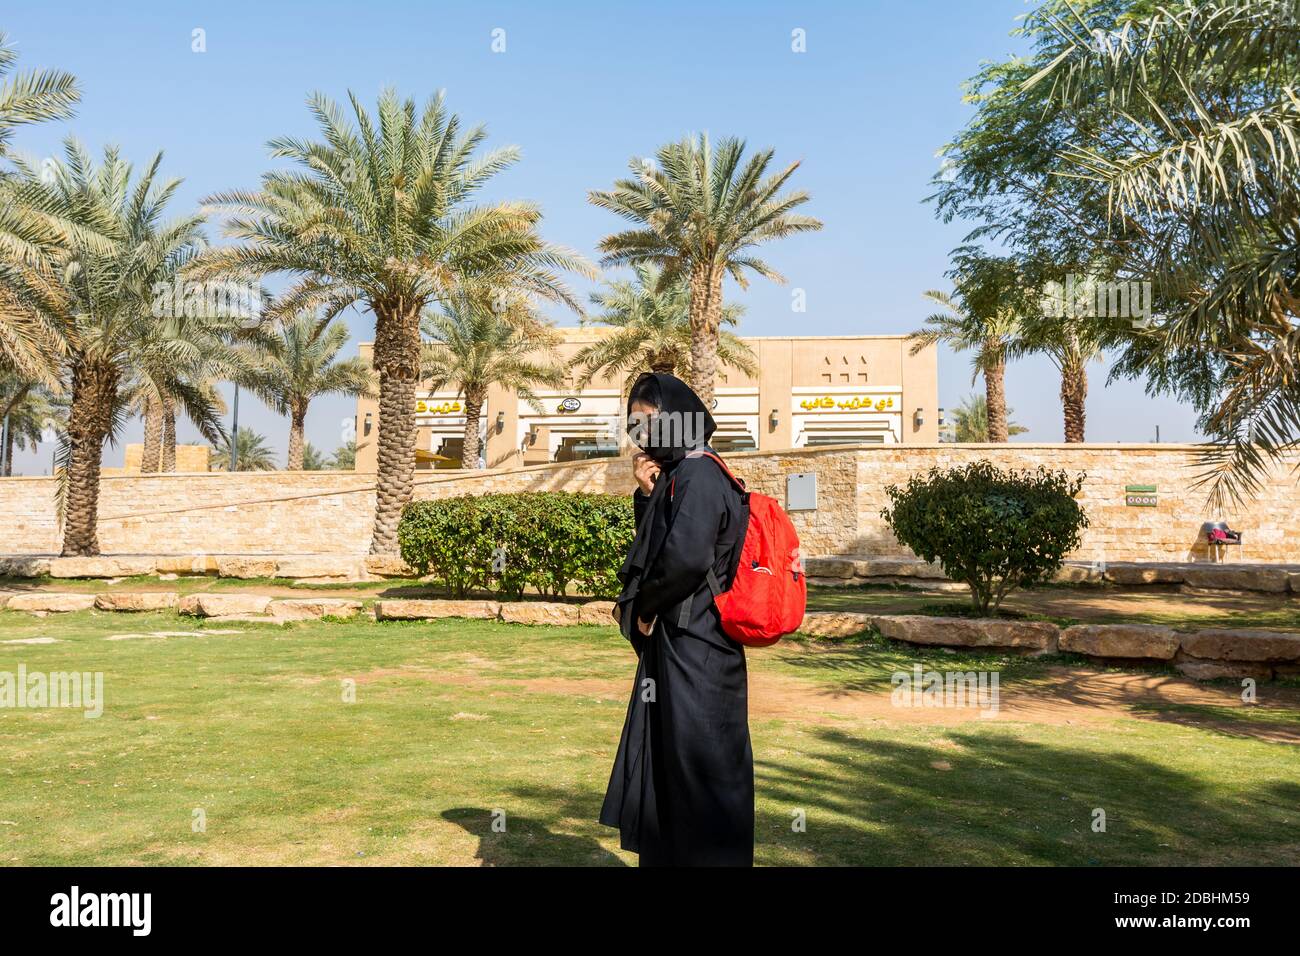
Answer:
(454, 720)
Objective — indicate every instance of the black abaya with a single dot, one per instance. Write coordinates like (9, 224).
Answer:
(682, 787)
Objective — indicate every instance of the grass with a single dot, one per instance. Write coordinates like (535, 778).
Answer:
(455, 720)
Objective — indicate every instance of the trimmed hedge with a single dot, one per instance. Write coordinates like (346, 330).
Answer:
(550, 540)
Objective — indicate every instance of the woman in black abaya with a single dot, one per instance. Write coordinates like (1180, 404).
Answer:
(682, 788)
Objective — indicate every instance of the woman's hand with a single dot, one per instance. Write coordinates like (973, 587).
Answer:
(645, 471)
(644, 626)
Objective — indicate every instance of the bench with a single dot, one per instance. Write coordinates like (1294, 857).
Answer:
(1219, 536)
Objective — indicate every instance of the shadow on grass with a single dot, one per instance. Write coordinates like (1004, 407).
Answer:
(1000, 799)
(526, 841)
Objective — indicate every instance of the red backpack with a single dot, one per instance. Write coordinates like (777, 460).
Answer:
(768, 591)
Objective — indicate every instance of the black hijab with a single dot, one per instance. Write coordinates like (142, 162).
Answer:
(681, 424)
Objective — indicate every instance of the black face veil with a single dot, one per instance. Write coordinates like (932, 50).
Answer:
(681, 424)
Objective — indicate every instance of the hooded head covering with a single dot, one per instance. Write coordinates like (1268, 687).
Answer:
(681, 424)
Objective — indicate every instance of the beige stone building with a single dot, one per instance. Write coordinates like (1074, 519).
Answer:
(810, 390)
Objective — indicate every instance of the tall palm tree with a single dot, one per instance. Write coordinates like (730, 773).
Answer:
(252, 453)
(99, 299)
(700, 212)
(474, 347)
(1070, 343)
(988, 335)
(27, 343)
(298, 363)
(208, 357)
(383, 216)
(28, 415)
(651, 330)
(971, 421)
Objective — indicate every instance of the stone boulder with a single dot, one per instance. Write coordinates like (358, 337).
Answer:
(246, 567)
(1198, 669)
(137, 601)
(44, 602)
(101, 567)
(897, 568)
(388, 566)
(1242, 644)
(186, 564)
(829, 567)
(1271, 580)
(1146, 641)
(540, 612)
(1136, 575)
(1293, 581)
(836, 623)
(223, 605)
(600, 613)
(333, 568)
(308, 609)
(24, 567)
(969, 631)
(402, 609)
(1078, 574)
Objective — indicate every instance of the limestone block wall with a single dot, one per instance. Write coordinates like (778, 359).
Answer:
(331, 512)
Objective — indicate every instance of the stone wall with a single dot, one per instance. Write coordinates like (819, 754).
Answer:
(330, 512)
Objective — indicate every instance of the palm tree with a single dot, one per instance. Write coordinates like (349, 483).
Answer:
(700, 213)
(252, 453)
(313, 459)
(344, 457)
(27, 343)
(1070, 343)
(652, 330)
(97, 294)
(298, 363)
(988, 335)
(383, 217)
(474, 347)
(1195, 144)
(206, 358)
(28, 415)
(971, 421)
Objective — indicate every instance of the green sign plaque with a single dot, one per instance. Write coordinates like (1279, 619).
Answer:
(1140, 496)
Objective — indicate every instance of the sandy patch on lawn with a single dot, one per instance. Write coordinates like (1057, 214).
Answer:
(1062, 696)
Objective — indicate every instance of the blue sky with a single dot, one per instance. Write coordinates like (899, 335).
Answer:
(581, 88)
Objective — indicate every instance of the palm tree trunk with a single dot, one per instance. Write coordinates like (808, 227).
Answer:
(151, 455)
(1074, 395)
(9, 453)
(706, 319)
(94, 389)
(995, 396)
(297, 426)
(397, 359)
(168, 449)
(473, 412)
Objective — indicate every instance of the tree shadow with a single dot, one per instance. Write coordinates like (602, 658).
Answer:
(995, 799)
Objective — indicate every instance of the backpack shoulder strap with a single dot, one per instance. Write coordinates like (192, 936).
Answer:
(701, 453)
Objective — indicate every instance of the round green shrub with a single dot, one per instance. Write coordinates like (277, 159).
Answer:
(990, 529)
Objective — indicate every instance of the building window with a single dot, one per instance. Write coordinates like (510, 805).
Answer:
(584, 447)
